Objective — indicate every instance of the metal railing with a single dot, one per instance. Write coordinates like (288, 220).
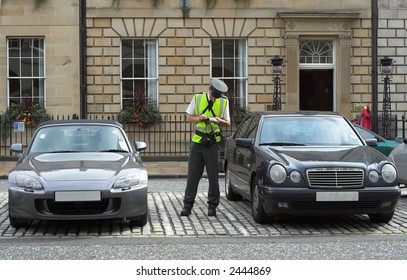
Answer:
(167, 140)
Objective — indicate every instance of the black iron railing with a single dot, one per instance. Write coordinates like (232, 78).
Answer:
(167, 140)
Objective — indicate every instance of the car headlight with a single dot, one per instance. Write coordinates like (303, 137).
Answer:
(278, 173)
(28, 182)
(373, 176)
(389, 173)
(127, 181)
(295, 176)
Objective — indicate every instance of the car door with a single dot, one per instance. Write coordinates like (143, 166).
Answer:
(245, 156)
(233, 151)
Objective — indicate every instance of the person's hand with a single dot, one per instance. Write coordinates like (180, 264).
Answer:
(202, 118)
(214, 120)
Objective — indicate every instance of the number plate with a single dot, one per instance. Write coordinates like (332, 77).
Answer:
(78, 196)
(337, 196)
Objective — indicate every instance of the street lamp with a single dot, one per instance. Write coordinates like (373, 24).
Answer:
(386, 69)
(277, 69)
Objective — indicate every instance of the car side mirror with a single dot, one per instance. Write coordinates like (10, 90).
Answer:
(400, 140)
(371, 142)
(244, 142)
(139, 145)
(17, 148)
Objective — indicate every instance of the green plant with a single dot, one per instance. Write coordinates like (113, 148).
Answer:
(30, 114)
(210, 4)
(25, 112)
(142, 112)
(38, 3)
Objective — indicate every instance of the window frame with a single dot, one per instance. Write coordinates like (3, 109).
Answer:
(151, 83)
(41, 71)
(242, 95)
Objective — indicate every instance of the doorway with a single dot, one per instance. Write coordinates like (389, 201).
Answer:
(316, 89)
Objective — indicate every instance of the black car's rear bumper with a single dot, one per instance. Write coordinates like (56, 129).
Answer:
(302, 201)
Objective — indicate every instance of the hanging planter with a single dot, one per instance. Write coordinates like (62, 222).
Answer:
(38, 3)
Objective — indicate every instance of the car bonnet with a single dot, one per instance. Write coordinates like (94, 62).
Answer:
(78, 166)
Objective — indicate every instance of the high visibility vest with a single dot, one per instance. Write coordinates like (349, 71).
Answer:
(219, 107)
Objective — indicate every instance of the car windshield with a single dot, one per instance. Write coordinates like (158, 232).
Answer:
(79, 138)
(308, 130)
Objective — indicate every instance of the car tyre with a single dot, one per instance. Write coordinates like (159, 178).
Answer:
(381, 217)
(17, 222)
(230, 194)
(258, 213)
(138, 221)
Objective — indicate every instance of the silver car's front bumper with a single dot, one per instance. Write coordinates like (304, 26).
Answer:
(42, 205)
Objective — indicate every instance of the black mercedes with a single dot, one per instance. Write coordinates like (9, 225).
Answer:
(308, 163)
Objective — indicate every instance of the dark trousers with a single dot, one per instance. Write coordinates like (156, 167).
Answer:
(200, 157)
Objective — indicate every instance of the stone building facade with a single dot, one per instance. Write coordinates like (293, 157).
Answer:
(326, 48)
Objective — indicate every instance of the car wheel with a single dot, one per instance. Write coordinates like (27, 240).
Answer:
(257, 207)
(16, 222)
(381, 217)
(230, 194)
(138, 221)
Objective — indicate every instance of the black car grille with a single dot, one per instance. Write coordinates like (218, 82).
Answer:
(78, 208)
(335, 177)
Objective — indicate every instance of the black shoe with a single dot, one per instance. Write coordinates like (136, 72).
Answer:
(186, 212)
(212, 212)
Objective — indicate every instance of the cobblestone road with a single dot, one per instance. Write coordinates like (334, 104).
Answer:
(233, 219)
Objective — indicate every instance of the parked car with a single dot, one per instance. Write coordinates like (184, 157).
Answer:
(383, 145)
(399, 158)
(308, 163)
(78, 170)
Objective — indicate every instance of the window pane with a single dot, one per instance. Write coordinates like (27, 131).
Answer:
(14, 88)
(139, 68)
(14, 67)
(229, 48)
(127, 68)
(138, 48)
(14, 48)
(127, 48)
(316, 51)
(26, 70)
(229, 68)
(217, 67)
(26, 48)
(127, 90)
(26, 88)
(216, 48)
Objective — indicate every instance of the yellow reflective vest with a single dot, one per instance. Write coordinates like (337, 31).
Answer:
(219, 107)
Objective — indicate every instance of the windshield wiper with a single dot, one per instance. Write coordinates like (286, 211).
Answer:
(281, 144)
(114, 151)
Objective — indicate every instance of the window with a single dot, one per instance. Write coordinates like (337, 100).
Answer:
(229, 63)
(316, 52)
(139, 74)
(25, 73)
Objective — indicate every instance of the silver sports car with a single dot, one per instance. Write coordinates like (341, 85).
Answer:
(78, 170)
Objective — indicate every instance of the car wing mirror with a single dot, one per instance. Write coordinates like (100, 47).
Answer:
(371, 142)
(139, 145)
(400, 139)
(17, 148)
(244, 142)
